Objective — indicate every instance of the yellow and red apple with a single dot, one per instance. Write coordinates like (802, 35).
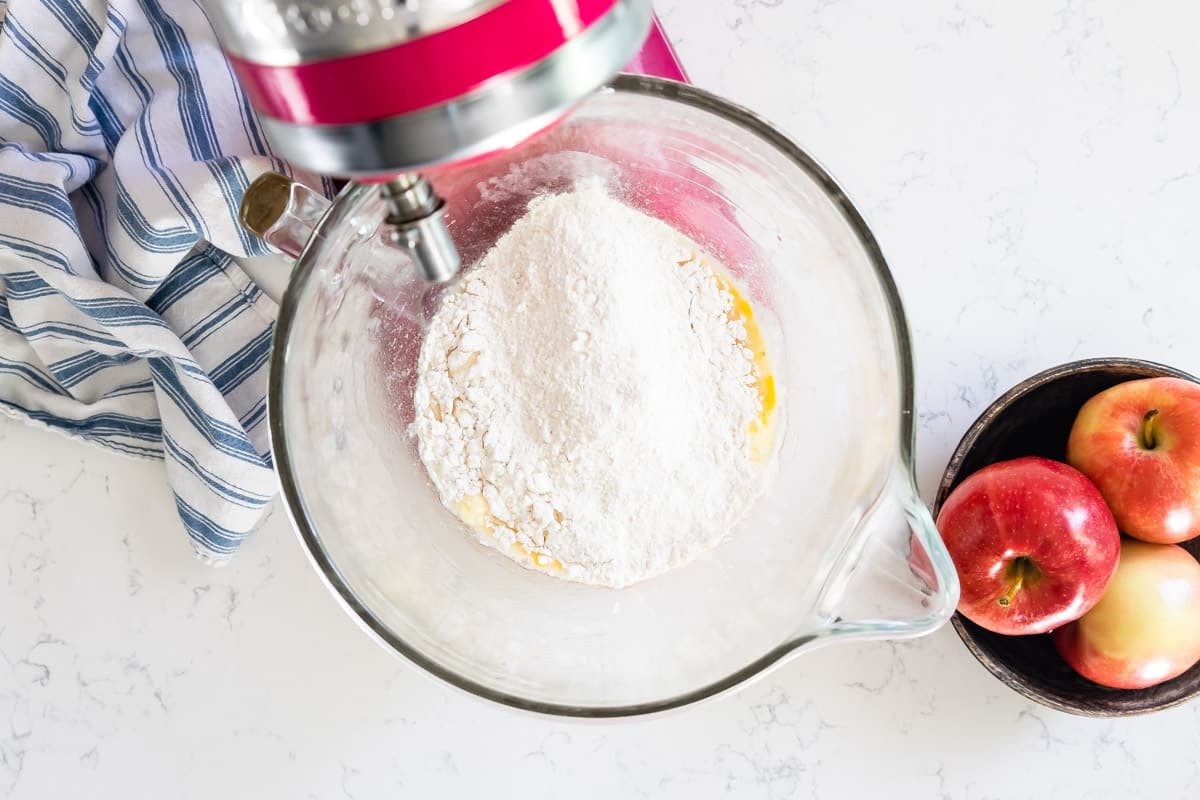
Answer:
(1139, 442)
(1146, 627)
(1033, 542)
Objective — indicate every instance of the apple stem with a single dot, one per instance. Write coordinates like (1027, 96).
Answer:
(1008, 596)
(1021, 569)
(1146, 432)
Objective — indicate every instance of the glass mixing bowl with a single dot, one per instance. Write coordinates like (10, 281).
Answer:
(840, 547)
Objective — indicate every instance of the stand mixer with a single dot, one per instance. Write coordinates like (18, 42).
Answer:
(377, 90)
(839, 546)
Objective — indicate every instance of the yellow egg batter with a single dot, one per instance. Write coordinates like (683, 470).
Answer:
(761, 433)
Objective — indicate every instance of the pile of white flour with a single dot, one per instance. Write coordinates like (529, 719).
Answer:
(587, 382)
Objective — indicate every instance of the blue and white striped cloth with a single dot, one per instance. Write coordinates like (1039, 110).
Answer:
(125, 146)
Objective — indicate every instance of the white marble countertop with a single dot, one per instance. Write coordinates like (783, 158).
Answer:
(1033, 176)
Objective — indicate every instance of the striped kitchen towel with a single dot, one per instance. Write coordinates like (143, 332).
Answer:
(125, 146)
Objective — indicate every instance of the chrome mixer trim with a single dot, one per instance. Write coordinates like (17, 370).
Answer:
(502, 112)
(349, 200)
(284, 33)
(416, 223)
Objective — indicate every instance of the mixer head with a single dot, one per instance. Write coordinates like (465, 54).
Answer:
(377, 90)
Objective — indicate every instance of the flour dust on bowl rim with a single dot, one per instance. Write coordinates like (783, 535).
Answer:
(838, 548)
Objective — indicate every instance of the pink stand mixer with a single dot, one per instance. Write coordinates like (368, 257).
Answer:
(431, 110)
(377, 90)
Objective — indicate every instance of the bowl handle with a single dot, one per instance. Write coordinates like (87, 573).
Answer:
(894, 578)
(281, 212)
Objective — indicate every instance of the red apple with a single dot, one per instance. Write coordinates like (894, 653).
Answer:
(1139, 442)
(1033, 543)
(1146, 627)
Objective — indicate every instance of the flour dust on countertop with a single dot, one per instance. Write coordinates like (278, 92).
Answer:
(594, 397)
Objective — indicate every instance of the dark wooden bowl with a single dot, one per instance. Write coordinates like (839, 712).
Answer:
(1034, 419)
